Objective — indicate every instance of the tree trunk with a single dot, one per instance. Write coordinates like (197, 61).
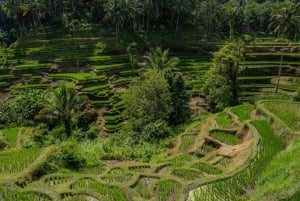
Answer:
(177, 23)
(279, 69)
(67, 126)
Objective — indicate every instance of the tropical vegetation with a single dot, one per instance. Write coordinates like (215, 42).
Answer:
(149, 100)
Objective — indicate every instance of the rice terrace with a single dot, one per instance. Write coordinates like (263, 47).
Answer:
(125, 100)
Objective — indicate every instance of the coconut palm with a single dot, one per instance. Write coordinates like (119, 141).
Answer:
(159, 59)
(285, 24)
(179, 7)
(63, 103)
(119, 11)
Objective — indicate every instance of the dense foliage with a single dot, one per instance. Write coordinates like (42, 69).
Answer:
(227, 18)
(222, 80)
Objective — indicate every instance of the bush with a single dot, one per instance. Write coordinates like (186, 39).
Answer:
(156, 131)
(92, 133)
(51, 165)
(43, 137)
(72, 156)
(86, 118)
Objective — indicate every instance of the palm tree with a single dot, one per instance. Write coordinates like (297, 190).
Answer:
(285, 24)
(119, 11)
(179, 7)
(131, 51)
(158, 59)
(63, 103)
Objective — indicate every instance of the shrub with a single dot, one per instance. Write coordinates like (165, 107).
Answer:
(51, 165)
(156, 131)
(92, 133)
(72, 156)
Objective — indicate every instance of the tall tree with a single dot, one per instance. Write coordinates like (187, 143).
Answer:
(180, 99)
(159, 59)
(119, 11)
(285, 24)
(222, 79)
(179, 7)
(147, 100)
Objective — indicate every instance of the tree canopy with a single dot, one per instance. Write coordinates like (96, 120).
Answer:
(147, 99)
(221, 18)
(222, 79)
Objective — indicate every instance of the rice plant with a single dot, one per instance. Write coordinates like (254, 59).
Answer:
(223, 120)
(166, 189)
(11, 134)
(186, 142)
(180, 160)
(12, 161)
(53, 180)
(186, 173)
(207, 168)
(140, 168)
(8, 195)
(81, 196)
(243, 112)
(226, 137)
(146, 187)
(232, 187)
(291, 114)
(104, 191)
(117, 178)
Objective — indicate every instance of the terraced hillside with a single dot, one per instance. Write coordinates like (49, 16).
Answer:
(93, 60)
(98, 64)
(259, 74)
(222, 156)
